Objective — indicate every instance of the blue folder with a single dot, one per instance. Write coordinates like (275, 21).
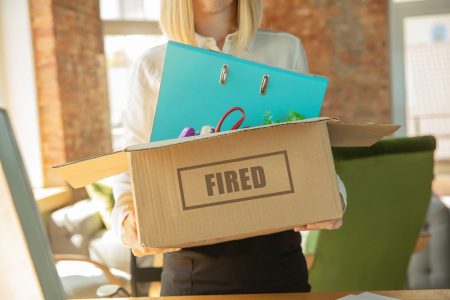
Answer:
(198, 86)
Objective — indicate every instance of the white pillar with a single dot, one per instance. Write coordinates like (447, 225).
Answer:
(17, 83)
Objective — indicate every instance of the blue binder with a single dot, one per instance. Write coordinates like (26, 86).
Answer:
(198, 86)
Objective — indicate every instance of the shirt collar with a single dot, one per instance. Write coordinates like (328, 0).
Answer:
(211, 44)
(205, 42)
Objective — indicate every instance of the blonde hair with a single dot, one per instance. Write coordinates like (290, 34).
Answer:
(177, 20)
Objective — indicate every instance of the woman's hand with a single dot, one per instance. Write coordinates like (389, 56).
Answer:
(325, 225)
(129, 238)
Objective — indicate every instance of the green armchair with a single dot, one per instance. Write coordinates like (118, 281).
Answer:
(389, 189)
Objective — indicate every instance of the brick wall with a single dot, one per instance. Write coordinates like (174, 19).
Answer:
(347, 41)
(71, 82)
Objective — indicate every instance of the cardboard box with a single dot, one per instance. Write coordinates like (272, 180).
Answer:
(232, 185)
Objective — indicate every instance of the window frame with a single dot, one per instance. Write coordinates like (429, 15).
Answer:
(398, 11)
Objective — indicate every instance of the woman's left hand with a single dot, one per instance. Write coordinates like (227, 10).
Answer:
(324, 225)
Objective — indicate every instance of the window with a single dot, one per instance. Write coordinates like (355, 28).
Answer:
(130, 9)
(130, 27)
(427, 70)
(420, 64)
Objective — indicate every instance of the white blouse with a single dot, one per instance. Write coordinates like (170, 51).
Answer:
(277, 49)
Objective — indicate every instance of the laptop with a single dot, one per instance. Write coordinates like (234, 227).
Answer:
(198, 86)
(26, 258)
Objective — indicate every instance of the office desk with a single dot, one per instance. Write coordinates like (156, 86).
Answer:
(406, 295)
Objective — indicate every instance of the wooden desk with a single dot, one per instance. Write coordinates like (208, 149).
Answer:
(50, 199)
(406, 295)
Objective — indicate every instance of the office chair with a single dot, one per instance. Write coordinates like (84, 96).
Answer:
(389, 189)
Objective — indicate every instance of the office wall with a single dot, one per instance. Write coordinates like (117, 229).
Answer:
(347, 41)
(71, 82)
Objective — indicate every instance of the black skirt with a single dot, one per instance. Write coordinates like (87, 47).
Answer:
(265, 264)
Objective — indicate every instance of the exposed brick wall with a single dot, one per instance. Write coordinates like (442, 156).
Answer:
(347, 41)
(71, 82)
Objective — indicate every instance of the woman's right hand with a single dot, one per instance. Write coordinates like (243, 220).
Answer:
(129, 238)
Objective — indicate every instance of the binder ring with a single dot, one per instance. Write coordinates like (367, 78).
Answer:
(224, 75)
(264, 85)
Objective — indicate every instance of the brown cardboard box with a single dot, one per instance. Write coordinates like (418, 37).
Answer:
(232, 185)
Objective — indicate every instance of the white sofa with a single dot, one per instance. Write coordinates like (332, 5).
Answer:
(79, 230)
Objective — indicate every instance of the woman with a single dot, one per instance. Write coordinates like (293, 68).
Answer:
(265, 264)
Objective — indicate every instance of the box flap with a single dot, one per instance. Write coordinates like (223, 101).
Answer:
(83, 172)
(358, 135)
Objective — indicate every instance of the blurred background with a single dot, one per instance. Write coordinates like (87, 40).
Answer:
(64, 69)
